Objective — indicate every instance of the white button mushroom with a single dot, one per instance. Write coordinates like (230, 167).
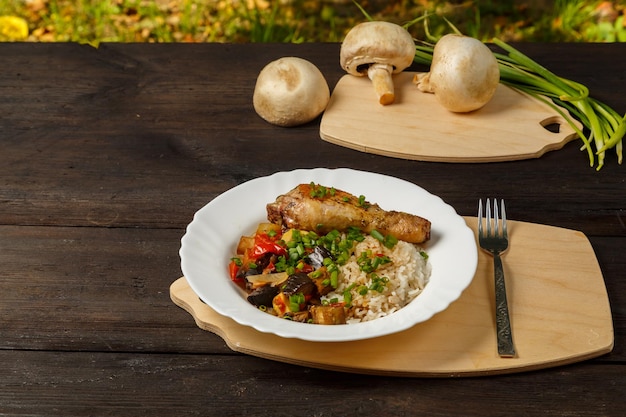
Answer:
(290, 91)
(377, 49)
(464, 73)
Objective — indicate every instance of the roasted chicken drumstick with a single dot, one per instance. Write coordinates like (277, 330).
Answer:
(322, 209)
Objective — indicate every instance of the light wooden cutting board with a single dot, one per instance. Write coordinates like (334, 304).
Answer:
(559, 309)
(416, 126)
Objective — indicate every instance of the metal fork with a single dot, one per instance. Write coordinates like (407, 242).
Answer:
(494, 239)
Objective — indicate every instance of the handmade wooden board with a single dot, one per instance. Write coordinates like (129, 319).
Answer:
(558, 302)
(510, 127)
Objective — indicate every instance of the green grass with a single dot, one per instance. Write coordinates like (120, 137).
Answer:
(95, 21)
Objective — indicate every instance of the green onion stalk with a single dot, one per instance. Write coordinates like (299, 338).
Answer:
(606, 128)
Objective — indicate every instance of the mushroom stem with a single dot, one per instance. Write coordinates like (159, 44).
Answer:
(380, 74)
(422, 81)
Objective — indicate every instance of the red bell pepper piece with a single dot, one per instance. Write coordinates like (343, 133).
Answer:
(263, 244)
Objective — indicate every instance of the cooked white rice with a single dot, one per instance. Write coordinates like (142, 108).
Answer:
(408, 273)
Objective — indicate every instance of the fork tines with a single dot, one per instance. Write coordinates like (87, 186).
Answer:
(496, 218)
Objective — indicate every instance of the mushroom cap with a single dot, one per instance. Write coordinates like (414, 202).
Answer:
(376, 42)
(464, 73)
(290, 91)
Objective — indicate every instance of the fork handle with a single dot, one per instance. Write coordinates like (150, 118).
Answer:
(503, 322)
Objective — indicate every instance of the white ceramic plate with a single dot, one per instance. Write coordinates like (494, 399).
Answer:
(211, 239)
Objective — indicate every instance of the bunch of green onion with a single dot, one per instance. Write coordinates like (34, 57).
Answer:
(604, 128)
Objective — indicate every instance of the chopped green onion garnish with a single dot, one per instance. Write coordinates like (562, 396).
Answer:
(390, 241)
(347, 298)
(377, 235)
(334, 279)
(362, 202)
(315, 274)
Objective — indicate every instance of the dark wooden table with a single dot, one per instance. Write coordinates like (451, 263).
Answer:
(107, 153)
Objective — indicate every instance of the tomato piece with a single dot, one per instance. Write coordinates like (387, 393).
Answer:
(233, 268)
(263, 244)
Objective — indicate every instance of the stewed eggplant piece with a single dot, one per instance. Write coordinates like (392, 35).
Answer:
(263, 296)
(298, 283)
(316, 258)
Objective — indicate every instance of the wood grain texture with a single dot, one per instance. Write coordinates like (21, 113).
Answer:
(102, 137)
(510, 127)
(131, 384)
(94, 289)
(106, 154)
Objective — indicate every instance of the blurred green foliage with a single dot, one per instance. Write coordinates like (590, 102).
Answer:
(95, 21)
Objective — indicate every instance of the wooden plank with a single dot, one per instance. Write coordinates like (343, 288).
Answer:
(115, 153)
(73, 288)
(129, 384)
